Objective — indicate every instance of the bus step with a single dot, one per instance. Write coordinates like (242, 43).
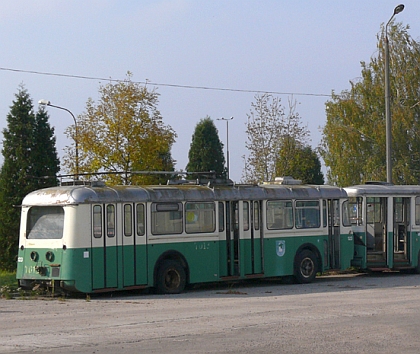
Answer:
(379, 269)
(250, 276)
(230, 277)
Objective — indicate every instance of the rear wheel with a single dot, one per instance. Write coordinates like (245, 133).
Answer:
(171, 277)
(306, 266)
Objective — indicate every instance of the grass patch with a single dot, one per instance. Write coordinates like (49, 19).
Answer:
(8, 284)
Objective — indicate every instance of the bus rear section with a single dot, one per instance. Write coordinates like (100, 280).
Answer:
(47, 257)
(386, 223)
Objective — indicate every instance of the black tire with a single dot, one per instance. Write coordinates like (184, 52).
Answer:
(171, 277)
(306, 265)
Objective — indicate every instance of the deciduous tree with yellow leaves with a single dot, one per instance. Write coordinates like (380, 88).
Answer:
(122, 132)
(354, 144)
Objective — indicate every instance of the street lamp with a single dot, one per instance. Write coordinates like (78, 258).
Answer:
(48, 103)
(397, 10)
(227, 142)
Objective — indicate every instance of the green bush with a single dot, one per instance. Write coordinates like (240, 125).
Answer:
(8, 283)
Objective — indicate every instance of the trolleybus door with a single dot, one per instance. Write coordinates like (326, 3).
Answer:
(232, 238)
(128, 245)
(104, 247)
(141, 269)
(376, 231)
(134, 245)
(401, 230)
(252, 232)
(333, 209)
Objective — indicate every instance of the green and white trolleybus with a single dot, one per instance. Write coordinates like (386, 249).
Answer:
(93, 238)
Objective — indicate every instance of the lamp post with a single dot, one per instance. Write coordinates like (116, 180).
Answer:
(48, 103)
(388, 124)
(227, 142)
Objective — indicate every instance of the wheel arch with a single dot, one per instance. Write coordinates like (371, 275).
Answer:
(174, 256)
(310, 247)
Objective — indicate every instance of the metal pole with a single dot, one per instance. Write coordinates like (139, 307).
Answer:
(76, 135)
(227, 143)
(388, 122)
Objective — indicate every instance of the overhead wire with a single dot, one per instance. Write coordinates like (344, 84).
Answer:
(147, 82)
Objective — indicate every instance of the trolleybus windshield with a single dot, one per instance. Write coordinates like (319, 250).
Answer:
(45, 222)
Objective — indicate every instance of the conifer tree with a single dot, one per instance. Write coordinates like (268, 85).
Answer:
(206, 150)
(29, 154)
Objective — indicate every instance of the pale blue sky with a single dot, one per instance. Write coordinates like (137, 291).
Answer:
(300, 47)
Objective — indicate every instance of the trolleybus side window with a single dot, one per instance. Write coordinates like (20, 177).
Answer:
(346, 214)
(324, 213)
(199, 217)
(279, 214)
(221, 217)
(355, 211)
(398, 209)
(374, 212)
(110, 220)
(246, 215)
(140, 219)
(307, 214)
(417, 210)
(128, 220)
(45, 222)
(166, 218)
(336, 206)
(97, 221)
(256, 215)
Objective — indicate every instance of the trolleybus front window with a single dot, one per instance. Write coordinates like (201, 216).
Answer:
(45, 222)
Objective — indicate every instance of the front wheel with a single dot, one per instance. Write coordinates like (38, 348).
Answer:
(171, 277)
(306, 266)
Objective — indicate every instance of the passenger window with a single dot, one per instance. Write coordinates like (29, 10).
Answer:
(199, 217)
(221, 217)
(417, 211)
(346, 214)
(128, 220)
(141, 225)
(246, 215)
(279, 214)
(307, 214)
(256, 215)
(110, 220)
(324, 213)
(166, 218)
(356, 211)
(97, 221)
